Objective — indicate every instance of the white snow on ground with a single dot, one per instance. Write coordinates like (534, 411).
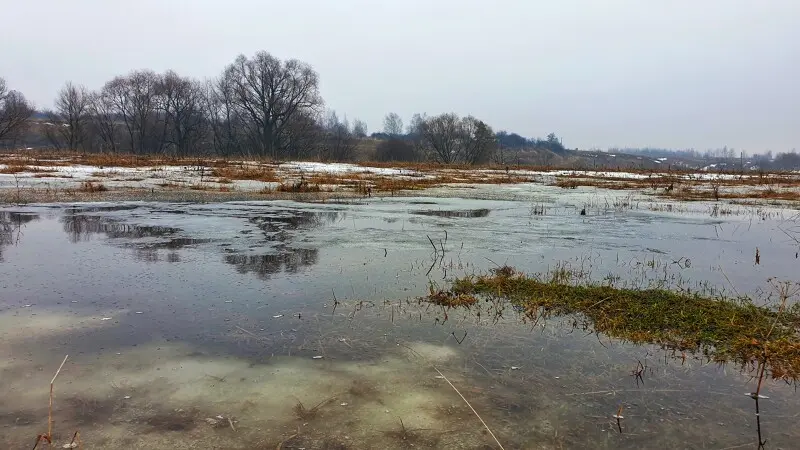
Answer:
(579, 173)
(342, 168)
(73, 176)
(632, 176)
(79, 172)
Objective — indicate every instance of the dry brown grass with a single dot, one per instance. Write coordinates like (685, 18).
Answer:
(627, 184)
(433, 166)
(61, 158)
(771, 186)
(339, 179)
(389, 184)
(15, 168)
(245, 172)
(300, 187)
(687, 193)
(92, 186)
(20, 168)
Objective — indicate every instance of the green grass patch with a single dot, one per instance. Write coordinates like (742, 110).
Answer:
(724, 330)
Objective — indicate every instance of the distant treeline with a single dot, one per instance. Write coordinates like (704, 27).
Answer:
(766, 160)
(258, 106)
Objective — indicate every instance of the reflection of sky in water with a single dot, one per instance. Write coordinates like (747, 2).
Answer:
(203, 273)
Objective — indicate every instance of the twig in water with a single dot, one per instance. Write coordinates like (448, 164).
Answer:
(498, 265)
(470, 407)
(49, 436)
(729, 281)
(50, 409)
(457, 339)
(74, 437)
(280, 444)
(431, 267)
(638, 372)
(432, 244)
(619, 417)
(248, 332)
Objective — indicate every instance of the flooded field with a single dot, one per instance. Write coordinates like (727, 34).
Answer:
(263, 325)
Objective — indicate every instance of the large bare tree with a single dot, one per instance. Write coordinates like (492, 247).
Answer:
(441, 137)
(449, 139)
(135, 103)
(15, 111)
(478, 141)
(70, 117)
(270, 93)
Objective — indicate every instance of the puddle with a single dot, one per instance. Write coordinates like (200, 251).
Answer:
(267, 324)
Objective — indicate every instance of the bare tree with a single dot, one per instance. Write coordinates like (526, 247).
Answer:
(449, 139)
(478, 141)
(224, 120)
(303, 136)
(134, 100)
(15, 111)
(339, 143)
(270, 93)
(416, 124)
(70, 117)
(414, 133)
(180, 100)
(442, 138)
(393, 125)
(104, 129)
(359, 128)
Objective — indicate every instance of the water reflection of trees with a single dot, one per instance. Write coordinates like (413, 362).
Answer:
(11, 224)
(80, 226)
(279, 227)
(280, 230)
(289, 260)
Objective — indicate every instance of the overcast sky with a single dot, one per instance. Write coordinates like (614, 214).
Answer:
(599, 73)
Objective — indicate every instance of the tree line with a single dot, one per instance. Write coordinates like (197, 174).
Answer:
(725, 155)
(258, 106)
(450, 139)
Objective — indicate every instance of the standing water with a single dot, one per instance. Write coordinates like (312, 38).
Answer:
(290, 325)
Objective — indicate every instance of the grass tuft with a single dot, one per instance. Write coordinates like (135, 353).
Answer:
(724, 330)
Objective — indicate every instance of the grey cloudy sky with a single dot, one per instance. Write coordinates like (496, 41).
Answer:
(600, 73)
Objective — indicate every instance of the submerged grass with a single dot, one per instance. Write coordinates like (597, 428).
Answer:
(724, 330)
